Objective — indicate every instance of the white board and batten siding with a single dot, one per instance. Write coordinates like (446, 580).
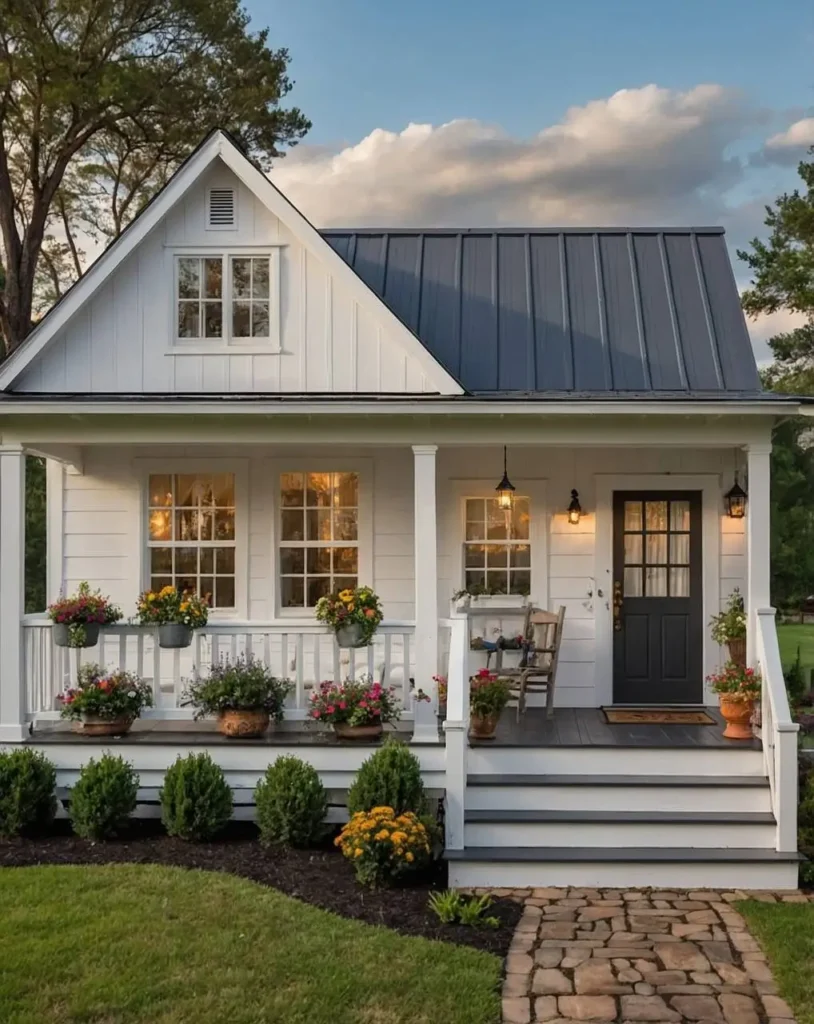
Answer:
(123, 340)
(102, 511)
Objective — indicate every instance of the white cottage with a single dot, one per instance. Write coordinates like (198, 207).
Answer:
(233, 400)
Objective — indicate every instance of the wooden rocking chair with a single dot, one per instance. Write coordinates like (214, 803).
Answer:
(537, 672)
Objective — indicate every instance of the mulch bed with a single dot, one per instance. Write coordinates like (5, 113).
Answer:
(321, 877)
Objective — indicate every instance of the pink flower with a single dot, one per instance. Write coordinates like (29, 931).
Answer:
(316, 713)
(376, 711)
(342, 705)
(362, 703)
(330, 709)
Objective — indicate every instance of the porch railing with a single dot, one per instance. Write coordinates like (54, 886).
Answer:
(306, 654)
(779, 732)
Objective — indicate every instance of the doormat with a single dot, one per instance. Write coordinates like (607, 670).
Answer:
(656, 716)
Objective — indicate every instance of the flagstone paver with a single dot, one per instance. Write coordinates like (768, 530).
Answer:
(610, 955)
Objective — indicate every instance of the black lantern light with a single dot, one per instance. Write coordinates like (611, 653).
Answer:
(505, 489)
(574, 509)
(735, 499)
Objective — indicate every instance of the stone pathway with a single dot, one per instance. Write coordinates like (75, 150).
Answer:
(609, 955)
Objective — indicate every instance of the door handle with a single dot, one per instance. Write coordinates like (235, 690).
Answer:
(618, 601)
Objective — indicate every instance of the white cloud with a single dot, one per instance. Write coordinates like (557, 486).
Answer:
(767, 325)
(646, 155)
(801, 133)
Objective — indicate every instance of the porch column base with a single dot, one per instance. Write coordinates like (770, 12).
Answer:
(13, 733)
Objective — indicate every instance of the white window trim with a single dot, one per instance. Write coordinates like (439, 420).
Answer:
(226, 344)
(532, 487)
(303, 462)
(146, 467)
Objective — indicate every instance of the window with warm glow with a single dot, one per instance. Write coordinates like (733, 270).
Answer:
(497, 550)
(191, 534)
(202, 284)
(319, 536)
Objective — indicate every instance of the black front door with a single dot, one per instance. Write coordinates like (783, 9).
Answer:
(657, 603)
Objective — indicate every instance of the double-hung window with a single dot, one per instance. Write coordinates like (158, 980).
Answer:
(225, 297)
(497, 546)
(318, 535)
(191, 534)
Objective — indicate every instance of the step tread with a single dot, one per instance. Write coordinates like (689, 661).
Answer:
(719, 781)
(622, 817)
(624, 854)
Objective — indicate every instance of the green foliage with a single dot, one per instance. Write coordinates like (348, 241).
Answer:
(245, 684)
(103, 798)
(35, 533)
(196, 801)
(451, 907)
(27, 783)
(805, 816)
(796, 678)
(130, 89)
(792, 515)
(291, 803)
(391, 777)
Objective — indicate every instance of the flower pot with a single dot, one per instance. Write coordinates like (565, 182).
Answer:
(352, 634)
(483, 727)
(737, 651)
(243, 724)
(498, 601)
(344, 731)
(62, 634)
(738, 715)
(174, 635)
(94, 725)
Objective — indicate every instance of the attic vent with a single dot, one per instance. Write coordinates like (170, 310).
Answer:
(221, 208)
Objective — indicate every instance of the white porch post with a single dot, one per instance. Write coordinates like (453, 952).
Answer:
(757, 540)
(12, 592)
(426, 592)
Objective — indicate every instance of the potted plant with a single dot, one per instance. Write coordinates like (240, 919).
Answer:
(488, 696)
(358, 709)
(481, 595)
(77, 619)
(175, 612)
(353, 614)
(738, 689)
(243, 695)
(729, 628)
(105, 703)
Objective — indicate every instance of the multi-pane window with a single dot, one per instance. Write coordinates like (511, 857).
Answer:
(657, 548)
(497, 552)
(191, 534)
(202, 284)
(200, 297)
(250, 297)
(319, 536)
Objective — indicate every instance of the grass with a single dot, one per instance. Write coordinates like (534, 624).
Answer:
(132, 944)
(786, 933)
(790, 637)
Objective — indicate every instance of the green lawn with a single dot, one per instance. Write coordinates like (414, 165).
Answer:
(128, 944)
(792, 636)
(786, 933)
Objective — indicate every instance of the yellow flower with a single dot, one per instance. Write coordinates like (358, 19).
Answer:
(409, 857)
(384, 834)
(383, 810)
(399, 837)
(184, 605)
(345, 595)
(358, 852)
(167, 590)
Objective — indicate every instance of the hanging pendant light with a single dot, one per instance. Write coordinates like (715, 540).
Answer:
(574, 509)
(735, 499)
(505, 489)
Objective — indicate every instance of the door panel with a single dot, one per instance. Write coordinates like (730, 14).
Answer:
(658, 627)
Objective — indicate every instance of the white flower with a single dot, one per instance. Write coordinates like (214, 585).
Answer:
(131, 693)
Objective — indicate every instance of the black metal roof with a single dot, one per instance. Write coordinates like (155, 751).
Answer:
(585, 311)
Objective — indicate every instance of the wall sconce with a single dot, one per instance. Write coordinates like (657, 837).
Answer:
(735, 499)
(574, 509)
(505, 489)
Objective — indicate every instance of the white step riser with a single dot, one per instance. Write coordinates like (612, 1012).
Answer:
(613, 761)
(627, 876)
(618, 798)
(595, 834)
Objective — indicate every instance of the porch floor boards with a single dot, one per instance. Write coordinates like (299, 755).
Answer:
(586, 727)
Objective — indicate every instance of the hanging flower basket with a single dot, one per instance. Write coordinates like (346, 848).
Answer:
(77, 619)
(173, 635)
(352, 635)
(77, 635)
(176, 613)
(353, 613)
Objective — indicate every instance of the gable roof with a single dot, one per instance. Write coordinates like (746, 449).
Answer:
(594, 311)
(219, 145)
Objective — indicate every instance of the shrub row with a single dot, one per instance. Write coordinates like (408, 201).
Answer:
(196, 801)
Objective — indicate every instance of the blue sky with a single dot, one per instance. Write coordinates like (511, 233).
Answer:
(540, 113)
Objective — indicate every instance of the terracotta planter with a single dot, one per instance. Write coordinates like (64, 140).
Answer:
(344, 731)
(738, 715)
(483, 727)
(173, 635)
(93, 725)
(352, 635)
(61, 632)
(243, 724)
(737, 651)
